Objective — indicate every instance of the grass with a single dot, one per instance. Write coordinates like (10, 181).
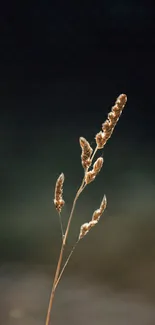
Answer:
(91, 170)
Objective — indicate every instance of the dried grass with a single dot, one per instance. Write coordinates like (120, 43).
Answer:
(87, 157)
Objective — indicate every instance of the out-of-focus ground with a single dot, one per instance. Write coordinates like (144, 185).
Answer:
(25, 291)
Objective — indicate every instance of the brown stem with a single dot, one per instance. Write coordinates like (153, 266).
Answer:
(66, 263)
(53, 288)
(61, 255)
(56, 278)
(94, 153)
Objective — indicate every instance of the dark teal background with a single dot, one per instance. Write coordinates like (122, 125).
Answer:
(61, 68)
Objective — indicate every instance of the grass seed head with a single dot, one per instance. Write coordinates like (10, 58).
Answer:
(89, 177)
(85, 228)
(108, 126)
(103, 204)
(98, 165)
(97, 213)
(100, 139)
(86, 152)
(58, 199)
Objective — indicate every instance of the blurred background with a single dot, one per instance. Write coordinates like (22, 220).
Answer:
(62, 67)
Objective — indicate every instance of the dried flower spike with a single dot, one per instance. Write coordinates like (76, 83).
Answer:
(90, 175)
(85, 228)
(103, 204)
(100, 139)
(98, 165)
(58, 200)
(97, 213)
(95, 218)
(113, 117)
(86, 152)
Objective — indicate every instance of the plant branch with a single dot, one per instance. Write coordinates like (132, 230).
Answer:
(61, 253)
(58, 274)
(67, 260)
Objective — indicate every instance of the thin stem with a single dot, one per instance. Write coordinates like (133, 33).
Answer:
(61, 254)
(67, 260)
(94, 153)
(53, 289)
(57, 273)
(61, 226)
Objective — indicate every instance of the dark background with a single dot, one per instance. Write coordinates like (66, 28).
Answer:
(62, 65)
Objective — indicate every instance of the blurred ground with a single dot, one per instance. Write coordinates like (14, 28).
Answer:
(25, 291)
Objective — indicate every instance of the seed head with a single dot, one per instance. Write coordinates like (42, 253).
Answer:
(97, 213)
(109, 125)
(85, 228)
(98, 165)
(100, 139)
(86, 152)
(58, 199)
(90, 176)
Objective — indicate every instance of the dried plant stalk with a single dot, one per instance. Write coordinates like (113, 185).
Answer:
(87, 157)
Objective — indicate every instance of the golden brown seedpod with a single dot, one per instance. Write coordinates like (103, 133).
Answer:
(85, 228)
(95, 218)
(86, 152)
(98, 165)
(108, 126)
(100, 139)
(97, 213)
(121, 101)
(114, 115)
(58, 200)
(90, 175)
(103, 204)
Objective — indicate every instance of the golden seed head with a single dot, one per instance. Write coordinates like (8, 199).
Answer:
(98, 165)
(100, 139)
(92, 223)
(89, 177)
(107, 126)
(121, 101)
(111, 121)
(86, 152)
(103, 204)
(82, 142)
(58, 199)
(97, 213)
(111, 117)
(85, 228)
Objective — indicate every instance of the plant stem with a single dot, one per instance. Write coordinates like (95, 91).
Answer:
(61, 226)
(61, 254)
(94, 153)
(67, 260)
(57, 273)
